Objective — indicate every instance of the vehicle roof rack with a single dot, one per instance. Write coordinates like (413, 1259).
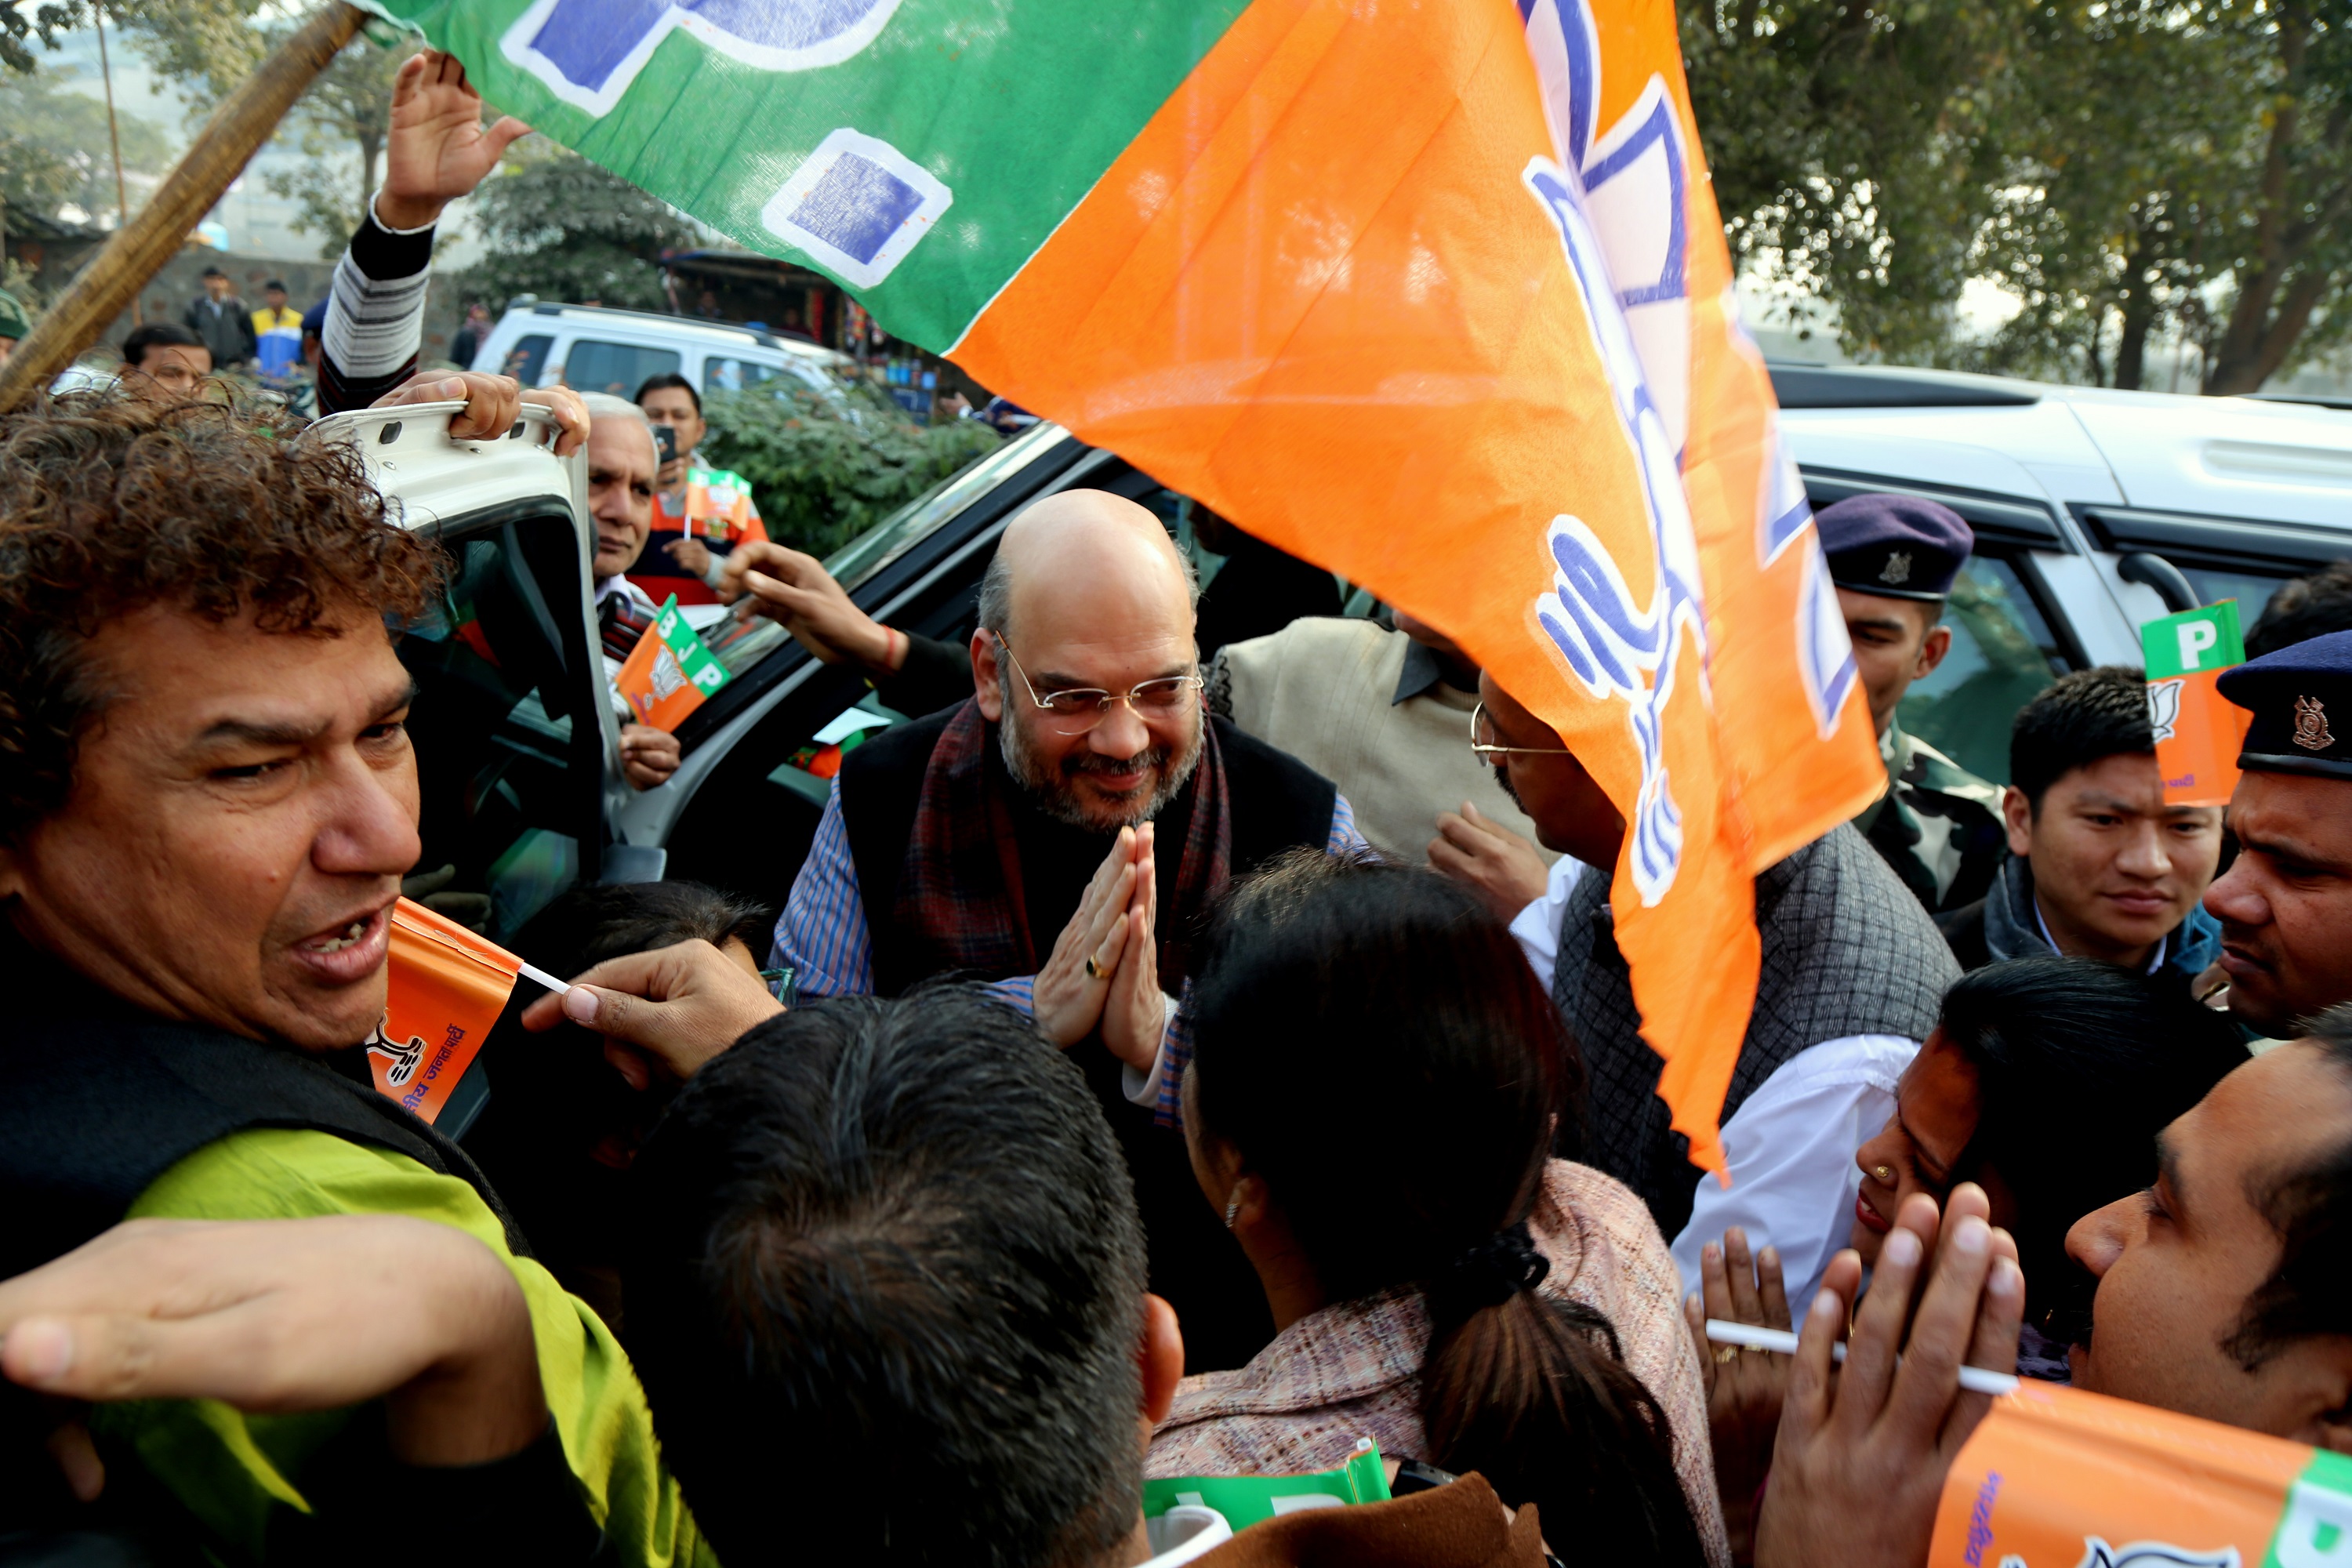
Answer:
(1868, 386)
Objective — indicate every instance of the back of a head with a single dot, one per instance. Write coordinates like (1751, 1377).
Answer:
(590, 924)
(1432, 1141)
(2079, 719)
(2302, 609)
(2080, 1065)
(885, 1261)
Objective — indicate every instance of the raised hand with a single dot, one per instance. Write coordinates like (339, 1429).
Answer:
(1498, 865)
(1135, 1014)
(796, 591)
(1861, 1457)
(676, 1006)
(1068, 998)
(437, 150)
(1744, 1386)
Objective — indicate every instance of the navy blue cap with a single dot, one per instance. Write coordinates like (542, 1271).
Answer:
(2301, 697)
(1902, 547)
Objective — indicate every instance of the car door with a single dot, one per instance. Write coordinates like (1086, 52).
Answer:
(513, 733)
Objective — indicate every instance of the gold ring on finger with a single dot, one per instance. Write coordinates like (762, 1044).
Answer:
(1094, 970)
(1725, 1354)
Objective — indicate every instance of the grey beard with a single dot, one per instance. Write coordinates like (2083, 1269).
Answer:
(1053, 794)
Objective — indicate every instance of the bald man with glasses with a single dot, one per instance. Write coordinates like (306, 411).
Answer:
(1059, 834)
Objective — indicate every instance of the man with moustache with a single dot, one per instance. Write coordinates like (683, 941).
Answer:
(2285, 902)
(208, 799)
(1060, 832)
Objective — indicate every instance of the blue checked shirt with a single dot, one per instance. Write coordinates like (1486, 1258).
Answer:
(823, 937)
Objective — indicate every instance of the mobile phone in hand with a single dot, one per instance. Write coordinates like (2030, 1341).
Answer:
(666, 438)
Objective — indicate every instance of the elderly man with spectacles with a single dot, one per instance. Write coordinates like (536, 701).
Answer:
(1852, 974)
(1059, 834)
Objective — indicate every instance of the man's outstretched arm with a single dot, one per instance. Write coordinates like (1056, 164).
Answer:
(436, 151)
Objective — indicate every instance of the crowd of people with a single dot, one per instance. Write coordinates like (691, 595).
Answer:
(1203, 1060)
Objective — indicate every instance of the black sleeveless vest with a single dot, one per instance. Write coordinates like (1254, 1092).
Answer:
(1278, 803)
(1847, 951)
(98, 1099)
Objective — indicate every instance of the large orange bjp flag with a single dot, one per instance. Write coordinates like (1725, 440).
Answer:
(1432, 292)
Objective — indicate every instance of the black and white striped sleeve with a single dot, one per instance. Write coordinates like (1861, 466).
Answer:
(375, 315)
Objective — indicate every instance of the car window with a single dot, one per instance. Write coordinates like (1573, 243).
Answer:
(724, 373)
(2252, 590)
(594, 365)
(510, 790)
(739, 644)
(2003, 653)
(527, 358)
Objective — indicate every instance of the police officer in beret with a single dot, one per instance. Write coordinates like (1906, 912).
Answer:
(1894, 559)
(13, 323)
(2285, 902)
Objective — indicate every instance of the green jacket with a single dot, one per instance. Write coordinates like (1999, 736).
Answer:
(232, 1470)
(1937, 825)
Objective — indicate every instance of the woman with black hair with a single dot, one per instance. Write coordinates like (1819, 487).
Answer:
(1377, 1088)
(2045, 1082)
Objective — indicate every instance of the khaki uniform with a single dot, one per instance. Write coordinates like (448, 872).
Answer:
(1937, 825)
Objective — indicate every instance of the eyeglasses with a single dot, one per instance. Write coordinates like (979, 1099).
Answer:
(1482, 728)
(1075, 711)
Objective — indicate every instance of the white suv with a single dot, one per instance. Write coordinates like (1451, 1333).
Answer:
(591, 349)
(2093, 512)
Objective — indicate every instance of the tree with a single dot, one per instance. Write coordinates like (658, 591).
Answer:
(825, 471)
(559, 227)
(347, 110)
(53, 145)
(2291, 247)
(208, 47)
(2102, 224)
(1853, 145)
(23, 23)
(2186, 173)
(2128, 170)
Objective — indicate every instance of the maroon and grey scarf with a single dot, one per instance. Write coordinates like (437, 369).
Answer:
(960, 893)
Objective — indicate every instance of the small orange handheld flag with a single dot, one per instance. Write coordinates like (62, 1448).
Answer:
(669, 673)
(2054, 1478)
(449, 986)
(2198, 731)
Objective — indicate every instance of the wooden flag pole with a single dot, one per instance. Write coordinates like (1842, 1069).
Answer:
(140, 246)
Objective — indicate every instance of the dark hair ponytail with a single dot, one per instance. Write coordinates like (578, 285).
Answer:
(1420, 1166)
